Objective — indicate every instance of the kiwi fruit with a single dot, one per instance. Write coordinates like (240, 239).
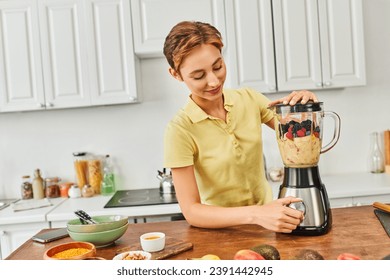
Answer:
(269, 252)
(308, 254)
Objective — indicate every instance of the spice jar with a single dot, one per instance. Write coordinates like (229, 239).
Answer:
(87, 191)
(64, 188)
(52, 187)
(26, 188)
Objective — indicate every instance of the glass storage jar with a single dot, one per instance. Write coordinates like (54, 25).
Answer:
(26, 188)
(52, 187)
(80, 162)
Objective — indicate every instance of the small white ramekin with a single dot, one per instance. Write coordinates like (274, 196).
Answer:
(152, 241)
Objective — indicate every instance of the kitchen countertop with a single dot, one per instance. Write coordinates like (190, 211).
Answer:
(337, 186)
(348, 234)
(356, 184)
(9, 217)
(347, 185)
(95, 206)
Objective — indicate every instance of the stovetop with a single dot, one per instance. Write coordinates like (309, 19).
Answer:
(127, 198)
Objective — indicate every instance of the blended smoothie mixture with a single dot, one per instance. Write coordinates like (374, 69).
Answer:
(299, 143)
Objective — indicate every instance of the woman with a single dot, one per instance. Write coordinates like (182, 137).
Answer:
(213, 145)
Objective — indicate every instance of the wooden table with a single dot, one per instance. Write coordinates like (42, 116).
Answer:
(355, 230)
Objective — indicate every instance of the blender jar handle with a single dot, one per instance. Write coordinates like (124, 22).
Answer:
(336, 132)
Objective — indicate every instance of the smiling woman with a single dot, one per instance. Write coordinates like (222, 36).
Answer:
(213, 145)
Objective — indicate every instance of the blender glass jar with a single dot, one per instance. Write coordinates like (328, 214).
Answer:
(299, 133)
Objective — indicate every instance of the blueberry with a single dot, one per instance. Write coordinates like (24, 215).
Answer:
(297, 126)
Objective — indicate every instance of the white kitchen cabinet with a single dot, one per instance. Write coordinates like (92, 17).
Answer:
(250, 53)
(12, 236)
(21, 81)
(284, 45)
(65, 54)
(113, 67)
(153, 19)
(318, 44)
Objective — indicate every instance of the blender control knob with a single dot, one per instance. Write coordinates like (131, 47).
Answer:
(300, 205)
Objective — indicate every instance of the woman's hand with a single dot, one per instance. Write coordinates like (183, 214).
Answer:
(278, 217)
(294, 97)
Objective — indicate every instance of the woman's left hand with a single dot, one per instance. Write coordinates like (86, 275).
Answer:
(294, 97)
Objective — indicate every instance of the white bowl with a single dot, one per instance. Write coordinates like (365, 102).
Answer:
(133, 255)
(152, 241)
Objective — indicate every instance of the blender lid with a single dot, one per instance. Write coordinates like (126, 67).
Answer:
(299, 107)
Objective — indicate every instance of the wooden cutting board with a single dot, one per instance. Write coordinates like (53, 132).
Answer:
(173, 247)
(384, 218)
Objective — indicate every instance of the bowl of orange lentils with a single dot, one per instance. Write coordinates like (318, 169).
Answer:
(71, 251)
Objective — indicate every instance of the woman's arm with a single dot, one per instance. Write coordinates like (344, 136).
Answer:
(274, 216)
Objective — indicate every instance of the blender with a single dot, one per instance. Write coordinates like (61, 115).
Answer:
(299, 135)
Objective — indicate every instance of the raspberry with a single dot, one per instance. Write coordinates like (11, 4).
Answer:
(289, 135)
(301, 133)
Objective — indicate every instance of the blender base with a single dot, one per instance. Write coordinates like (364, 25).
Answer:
(305, 183)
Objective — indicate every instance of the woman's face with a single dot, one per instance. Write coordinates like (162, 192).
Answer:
(204, 73)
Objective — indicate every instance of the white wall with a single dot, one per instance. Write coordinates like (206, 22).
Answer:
(133, 134)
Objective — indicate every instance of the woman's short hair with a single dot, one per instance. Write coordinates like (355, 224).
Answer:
(185, 37)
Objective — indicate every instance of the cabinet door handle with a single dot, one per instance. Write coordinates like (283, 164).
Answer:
(49, 104)
(319, 84)
(133, 99)
(41, 105)
(328, 83)
(272, 88)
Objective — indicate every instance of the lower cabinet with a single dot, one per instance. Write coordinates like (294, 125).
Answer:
(12, 236)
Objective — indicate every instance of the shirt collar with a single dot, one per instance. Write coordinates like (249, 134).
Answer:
(196, 114)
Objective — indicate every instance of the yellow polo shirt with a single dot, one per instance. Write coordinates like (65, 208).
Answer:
(227, 156)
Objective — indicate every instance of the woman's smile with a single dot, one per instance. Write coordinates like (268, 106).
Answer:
(214, 90)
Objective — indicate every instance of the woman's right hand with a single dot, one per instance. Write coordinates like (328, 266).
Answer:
(278, 217)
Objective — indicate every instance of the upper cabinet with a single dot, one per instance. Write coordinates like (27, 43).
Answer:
(153, 19)
(21, 81)
(65, 53)
(318, 44)
(295, 44)
(250, 52)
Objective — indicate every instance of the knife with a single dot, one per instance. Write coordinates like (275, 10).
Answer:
(382, 206)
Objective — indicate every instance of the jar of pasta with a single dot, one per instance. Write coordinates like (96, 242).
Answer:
(95, 173)
(80, 162)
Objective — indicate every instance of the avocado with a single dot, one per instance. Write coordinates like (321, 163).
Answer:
(269, 252)
(386, 257)
(308, 254)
